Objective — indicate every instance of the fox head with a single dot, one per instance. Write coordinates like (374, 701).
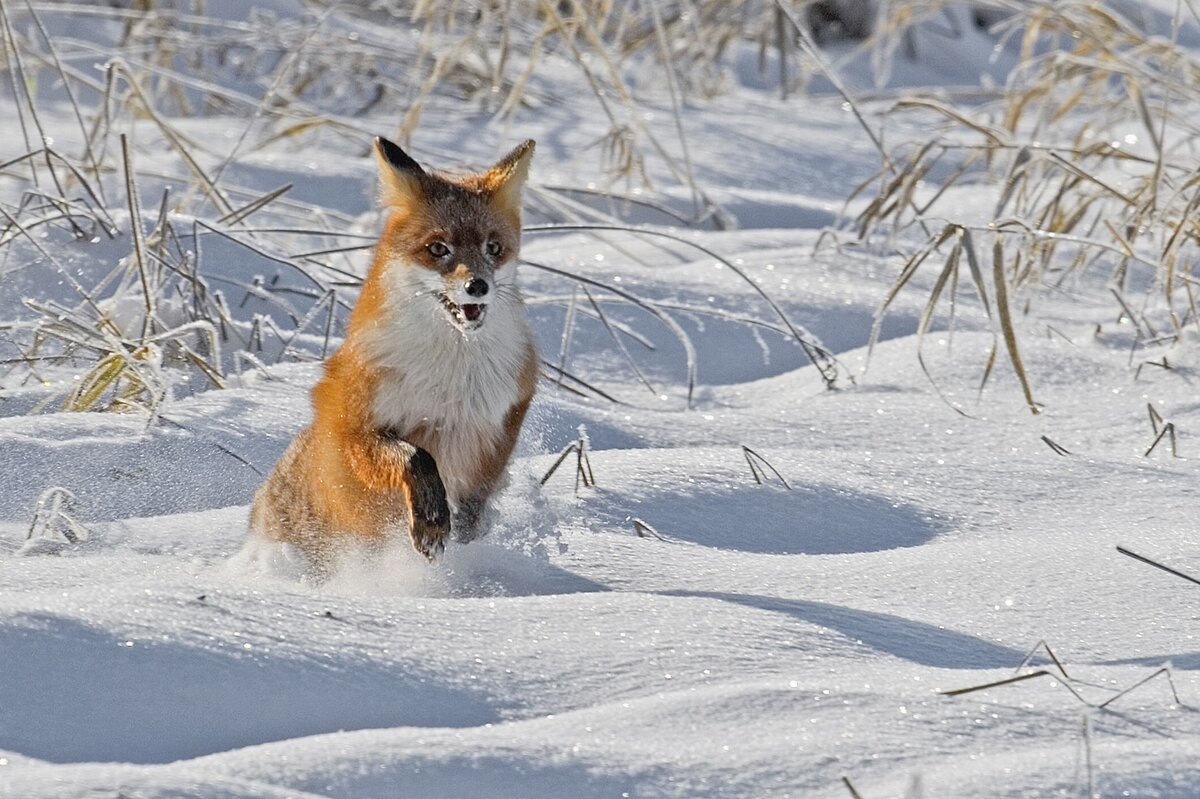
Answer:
(453, 240)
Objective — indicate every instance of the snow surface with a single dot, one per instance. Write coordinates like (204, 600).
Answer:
(771, 642)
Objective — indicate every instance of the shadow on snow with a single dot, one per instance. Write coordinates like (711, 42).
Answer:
(914, 641)
(76, 693)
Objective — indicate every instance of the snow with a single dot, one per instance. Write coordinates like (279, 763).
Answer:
(772, 641)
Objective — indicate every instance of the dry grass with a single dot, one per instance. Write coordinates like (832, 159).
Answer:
(583, 464)
(1077, 688)
(1071, 200)
(1088, 153)
(131, 174)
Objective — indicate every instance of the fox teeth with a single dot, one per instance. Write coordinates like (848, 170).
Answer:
(467, 316)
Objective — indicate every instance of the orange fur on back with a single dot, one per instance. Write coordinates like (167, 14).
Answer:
(417, 413)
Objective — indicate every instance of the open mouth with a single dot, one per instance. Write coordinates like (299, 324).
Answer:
(467, 316)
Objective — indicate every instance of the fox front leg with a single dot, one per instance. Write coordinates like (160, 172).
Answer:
(428, 511)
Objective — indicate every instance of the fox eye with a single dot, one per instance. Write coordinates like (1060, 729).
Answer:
(438, 249)
(494, 248)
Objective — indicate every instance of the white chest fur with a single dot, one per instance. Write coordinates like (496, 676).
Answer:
(459, 384)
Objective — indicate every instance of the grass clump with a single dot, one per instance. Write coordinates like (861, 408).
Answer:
(177, 269)
(1088, 155)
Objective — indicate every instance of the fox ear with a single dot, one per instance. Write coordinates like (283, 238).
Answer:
(505, 179)
(399, 174)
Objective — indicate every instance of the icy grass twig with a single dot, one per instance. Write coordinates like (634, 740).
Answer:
(54, 524)
(643, 529)
(583, 465)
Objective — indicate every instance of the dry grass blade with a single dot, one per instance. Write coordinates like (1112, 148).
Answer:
(619, 342)
(998, 683)
(1168, 431)
(1042, 645)
(619, 199)
(207, 331)
(1157, 565)
(177, 141)
(677, 113)
(131, 378)
(988, 366)
(1155, 417)
(644, 530)
(568, 332)
(757, 462)
(556, 374)
(895, 195)
(1131, 315)
(149, 292)
(88, 390)
(68, 87)
(240, 214)
(995, 136)
(1170, 681)
(906, 274)
(968, 244)
(814, 53)
(308, 254)
(272, 91)
(257, 250)
(327, 302)
(1004, 313)
(1057, 448)
(1017, 174)
(583, 24)
(22, 84)
(949, 274)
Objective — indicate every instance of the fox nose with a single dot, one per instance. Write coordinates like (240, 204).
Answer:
(477, 287)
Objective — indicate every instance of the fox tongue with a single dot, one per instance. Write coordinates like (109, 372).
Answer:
(471, 312)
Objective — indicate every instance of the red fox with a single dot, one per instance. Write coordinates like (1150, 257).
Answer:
(418, 411)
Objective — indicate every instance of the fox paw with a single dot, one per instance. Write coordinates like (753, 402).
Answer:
(430, 521)
(429, 538)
